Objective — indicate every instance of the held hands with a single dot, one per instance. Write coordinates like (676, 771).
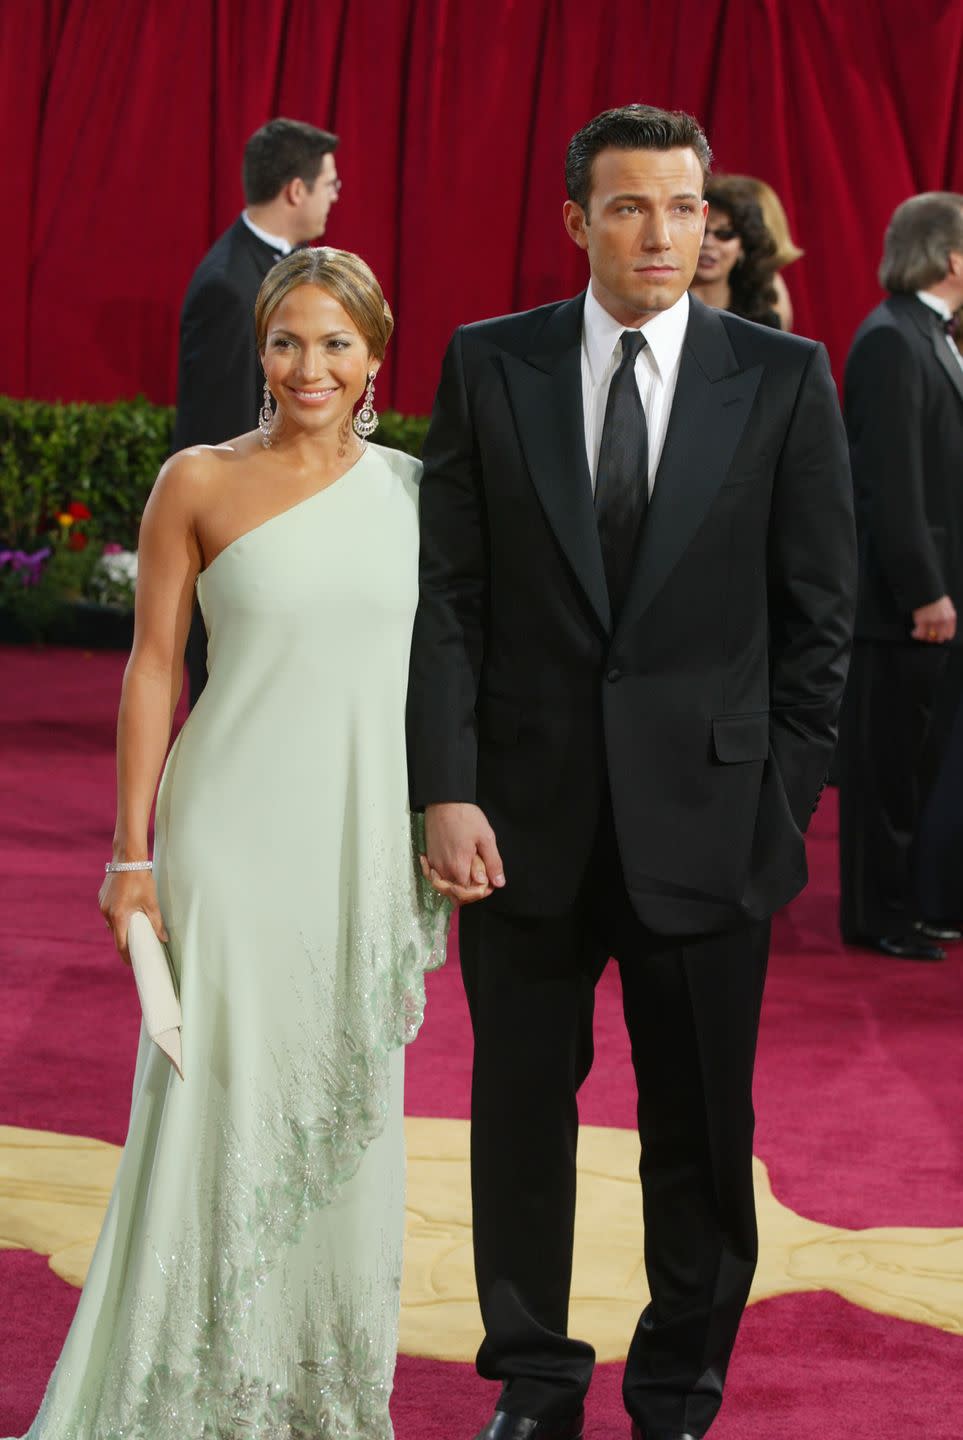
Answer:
(935, 624)
(462, 862)
(122, 894)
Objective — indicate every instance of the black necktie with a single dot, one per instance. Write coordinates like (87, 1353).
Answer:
(622, 477)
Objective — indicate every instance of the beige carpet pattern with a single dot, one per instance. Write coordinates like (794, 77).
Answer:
(54, 1190)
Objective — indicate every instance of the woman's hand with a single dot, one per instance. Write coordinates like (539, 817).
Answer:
(121, 894)
(479, 889)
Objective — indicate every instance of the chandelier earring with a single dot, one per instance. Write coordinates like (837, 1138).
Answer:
(366, 421)
(267, 417)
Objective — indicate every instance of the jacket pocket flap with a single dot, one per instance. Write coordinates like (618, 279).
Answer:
(737, 738)
(498, 719)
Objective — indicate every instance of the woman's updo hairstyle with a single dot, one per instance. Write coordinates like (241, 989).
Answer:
(344, 276)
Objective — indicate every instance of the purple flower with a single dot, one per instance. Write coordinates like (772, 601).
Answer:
(29, 567)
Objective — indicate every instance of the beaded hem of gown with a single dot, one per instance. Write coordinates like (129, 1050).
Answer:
(247, 1279)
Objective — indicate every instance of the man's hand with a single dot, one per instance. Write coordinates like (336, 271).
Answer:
(935, 624)
(462, 860)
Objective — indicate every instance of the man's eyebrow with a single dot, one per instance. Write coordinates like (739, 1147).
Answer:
(629, 195)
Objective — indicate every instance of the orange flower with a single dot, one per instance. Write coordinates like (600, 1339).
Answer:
(65, 520)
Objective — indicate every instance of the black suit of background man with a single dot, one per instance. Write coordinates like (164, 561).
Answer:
(219, 376)
(904, 414)
(648, 778)
(290, 183)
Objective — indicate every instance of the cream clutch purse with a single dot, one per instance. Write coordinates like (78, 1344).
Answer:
(155, 986)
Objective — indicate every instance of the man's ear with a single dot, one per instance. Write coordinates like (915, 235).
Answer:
(576, 222)
(295, 191)
(956, 263)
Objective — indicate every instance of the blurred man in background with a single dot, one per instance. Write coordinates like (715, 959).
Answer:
(904, 414)
(290, 183)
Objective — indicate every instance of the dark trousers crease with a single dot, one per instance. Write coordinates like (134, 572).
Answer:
(691, 1009)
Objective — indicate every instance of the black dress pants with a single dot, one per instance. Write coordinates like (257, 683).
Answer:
(691, 1008)
(893, 732)
(939, 849)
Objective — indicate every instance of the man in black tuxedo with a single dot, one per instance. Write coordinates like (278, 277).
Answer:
(290, 183)
(904, 415)
(637, 580)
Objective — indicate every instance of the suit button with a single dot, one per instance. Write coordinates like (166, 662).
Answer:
(614, 675)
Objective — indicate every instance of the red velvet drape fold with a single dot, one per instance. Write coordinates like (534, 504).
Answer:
(124, 124)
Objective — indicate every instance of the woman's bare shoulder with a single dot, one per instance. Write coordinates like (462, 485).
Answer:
(192, 475)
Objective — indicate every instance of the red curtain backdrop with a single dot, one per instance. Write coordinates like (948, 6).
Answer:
(124, 122)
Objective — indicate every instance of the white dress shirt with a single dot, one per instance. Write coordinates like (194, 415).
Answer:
(940, 306)
(656, 373)
(276, 242)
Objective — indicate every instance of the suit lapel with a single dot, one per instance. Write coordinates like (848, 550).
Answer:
(546, 395)
(945, 360)
(713, 399)
(925, 321)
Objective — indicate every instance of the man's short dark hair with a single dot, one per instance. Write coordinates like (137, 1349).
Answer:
(919, 238)
(630, 127)
(282, 151)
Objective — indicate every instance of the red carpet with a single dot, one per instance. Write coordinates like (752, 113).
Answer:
(859, 1097)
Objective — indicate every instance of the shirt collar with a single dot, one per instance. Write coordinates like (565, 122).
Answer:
(276, 242)
(935, 303)
(664, 334)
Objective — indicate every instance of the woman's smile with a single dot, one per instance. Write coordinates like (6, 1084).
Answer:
(313, 397)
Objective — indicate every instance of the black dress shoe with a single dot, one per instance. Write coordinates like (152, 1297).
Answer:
(934, 931)
(906, 947)
(503, 1426)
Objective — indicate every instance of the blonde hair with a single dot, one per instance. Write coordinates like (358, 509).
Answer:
(775, 220)
(344, 276)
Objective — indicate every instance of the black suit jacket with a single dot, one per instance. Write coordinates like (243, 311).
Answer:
(904, 415)
(219, 380)
(710, 709)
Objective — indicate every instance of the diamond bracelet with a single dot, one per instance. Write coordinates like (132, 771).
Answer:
(117, 867)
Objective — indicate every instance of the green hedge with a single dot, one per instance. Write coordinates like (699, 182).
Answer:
(105, 457)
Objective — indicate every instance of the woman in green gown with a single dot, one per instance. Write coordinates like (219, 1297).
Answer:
(246, 1281)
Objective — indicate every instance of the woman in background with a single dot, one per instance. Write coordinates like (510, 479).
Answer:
(777, 223)
(737, 261)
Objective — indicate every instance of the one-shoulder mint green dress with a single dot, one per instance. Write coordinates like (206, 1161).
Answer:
(246, 1282)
